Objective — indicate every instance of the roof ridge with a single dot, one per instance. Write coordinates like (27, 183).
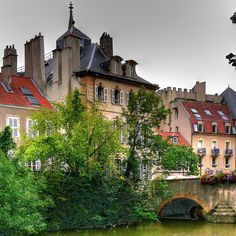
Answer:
(92, 56)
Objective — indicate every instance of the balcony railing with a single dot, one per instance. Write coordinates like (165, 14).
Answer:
(228, 152)
(201, 151)
(215, 151)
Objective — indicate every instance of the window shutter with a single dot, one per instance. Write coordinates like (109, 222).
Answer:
(127, 98)
(113, 96)
(121, 98)
(96, 92)
(105, 94)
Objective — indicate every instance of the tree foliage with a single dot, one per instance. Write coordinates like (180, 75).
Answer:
(20, 203)
(143, 114)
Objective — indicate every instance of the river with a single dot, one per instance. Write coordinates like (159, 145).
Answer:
(166, 228)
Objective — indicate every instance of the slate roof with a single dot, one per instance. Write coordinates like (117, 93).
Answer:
(169, 135)
(208, 119)
(17, 98)
(229, 96)
(73, 31)
(92, 60)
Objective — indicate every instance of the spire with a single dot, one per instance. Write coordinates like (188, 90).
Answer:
(71, 20)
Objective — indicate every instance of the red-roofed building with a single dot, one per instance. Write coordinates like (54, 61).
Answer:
(210, 130)
(19, 96)
(174, 138)
(205, 122)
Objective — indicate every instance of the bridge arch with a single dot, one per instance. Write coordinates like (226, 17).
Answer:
(206, 208)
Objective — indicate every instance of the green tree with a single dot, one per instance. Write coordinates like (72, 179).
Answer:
(143, 114)
(173, 157)
(6, 141)
(20, 202)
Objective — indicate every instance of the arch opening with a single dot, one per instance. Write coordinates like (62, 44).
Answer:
(182, 208)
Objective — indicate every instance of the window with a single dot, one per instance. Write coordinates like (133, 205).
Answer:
(130, 70)
(214, 127)
(124, 135)
(35, 165)
(194, 111)
(116, 67)
(145, 170)
(13, 122)
(176, 113)
(176, 128)
(200, 162)
(101, 93)
(208, 112)
(200, 144)
(227, 145)
(227, 162)
(175, 140)
(223, 116)
(201, 127)
(117, 97)
(228, 129)
(213, 144)
(196, 114)
(29, 96)
(213, 162)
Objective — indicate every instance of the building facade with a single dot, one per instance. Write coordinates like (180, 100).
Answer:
(19, 96)
(91, 67)
(206, 122)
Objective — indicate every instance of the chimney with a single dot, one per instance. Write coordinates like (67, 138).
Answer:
(34, 61)
(9, 67)
(106, 44)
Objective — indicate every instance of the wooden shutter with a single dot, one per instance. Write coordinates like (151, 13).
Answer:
(121, 98)
(105, 94)
(113, 96)
(96, 92)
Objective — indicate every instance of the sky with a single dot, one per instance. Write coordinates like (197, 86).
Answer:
(175, 42)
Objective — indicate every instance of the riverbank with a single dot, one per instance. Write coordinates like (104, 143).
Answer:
(164, 228)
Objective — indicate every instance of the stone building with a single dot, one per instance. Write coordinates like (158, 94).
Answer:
(206, 122)
(78, 63)
(19, 96)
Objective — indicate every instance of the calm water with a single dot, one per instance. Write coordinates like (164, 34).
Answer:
(167, 228)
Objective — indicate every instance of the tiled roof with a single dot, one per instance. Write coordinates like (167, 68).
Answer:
(169, 136)
(16, 97)
(207, 119)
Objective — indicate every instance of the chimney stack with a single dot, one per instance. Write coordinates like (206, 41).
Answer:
(9, 67)
(34, 61)
(106, 44)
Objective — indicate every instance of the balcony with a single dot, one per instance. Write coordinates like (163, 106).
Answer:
(201, 151)
(228, 152)
(215, 151)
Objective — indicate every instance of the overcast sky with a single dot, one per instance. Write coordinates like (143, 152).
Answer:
(175, 42)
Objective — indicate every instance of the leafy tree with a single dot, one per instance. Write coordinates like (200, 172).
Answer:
(144, 113)
(173, 157)
(20, 203)
(6, 141)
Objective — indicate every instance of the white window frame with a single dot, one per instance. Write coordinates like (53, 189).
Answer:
(17, 128)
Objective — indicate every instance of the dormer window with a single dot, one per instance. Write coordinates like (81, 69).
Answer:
(214, 127)
(130, 68)
(116, 67)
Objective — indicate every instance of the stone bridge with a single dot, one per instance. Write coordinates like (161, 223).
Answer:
(190, 196)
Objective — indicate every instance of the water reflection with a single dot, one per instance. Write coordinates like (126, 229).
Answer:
(166, 228)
